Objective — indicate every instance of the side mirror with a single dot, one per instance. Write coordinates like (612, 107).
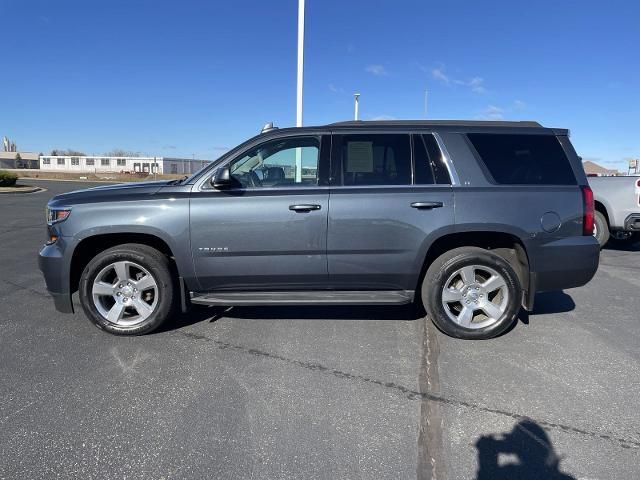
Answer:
(223, 179)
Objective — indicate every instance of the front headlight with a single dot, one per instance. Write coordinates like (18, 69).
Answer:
(55, 215)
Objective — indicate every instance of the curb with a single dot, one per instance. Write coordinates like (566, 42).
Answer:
(32, 190)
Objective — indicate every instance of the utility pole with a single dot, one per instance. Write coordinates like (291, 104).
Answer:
(356, 102)
(426, 97)
(299, 85)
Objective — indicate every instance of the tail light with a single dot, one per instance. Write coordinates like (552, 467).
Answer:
(588, 209)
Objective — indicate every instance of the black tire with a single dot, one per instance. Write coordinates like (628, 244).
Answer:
(623, 239)
(444, 267)
(156, 263)
(601, 229)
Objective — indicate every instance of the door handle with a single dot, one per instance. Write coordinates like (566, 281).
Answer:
(304, 208)
(427, 205)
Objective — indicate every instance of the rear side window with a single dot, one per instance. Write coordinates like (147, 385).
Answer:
(376, 159)
(523, 159)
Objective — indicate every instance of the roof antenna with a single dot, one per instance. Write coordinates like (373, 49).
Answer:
(268, 127)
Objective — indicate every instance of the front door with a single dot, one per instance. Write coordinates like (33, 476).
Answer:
(390, 196)
(270, 232)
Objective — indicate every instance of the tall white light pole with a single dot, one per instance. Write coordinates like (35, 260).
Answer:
(299, 86)
(356, 102)
(300, 62)
(426, 97)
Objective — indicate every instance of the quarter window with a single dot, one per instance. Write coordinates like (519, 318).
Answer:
(376, 159)
(286, 162)
(523, 159)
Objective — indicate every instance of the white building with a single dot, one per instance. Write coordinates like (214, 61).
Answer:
(102, 164)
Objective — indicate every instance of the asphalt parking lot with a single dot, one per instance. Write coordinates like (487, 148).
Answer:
(289, 393)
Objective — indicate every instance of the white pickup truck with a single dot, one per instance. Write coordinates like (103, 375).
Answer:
(617, 213)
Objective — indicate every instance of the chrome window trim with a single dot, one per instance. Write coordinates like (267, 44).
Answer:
(337, 188)
(392, 187)
(265, 189)
(453, 174)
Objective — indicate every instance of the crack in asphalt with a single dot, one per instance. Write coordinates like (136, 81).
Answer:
(409, 393)
(22, 287)
(431, 465)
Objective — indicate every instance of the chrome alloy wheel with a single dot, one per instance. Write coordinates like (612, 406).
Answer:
(125, 293)
(475, 296)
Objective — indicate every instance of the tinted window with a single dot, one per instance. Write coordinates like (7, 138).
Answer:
(422, 162)
(524, 159)
(428, 161)
(437, 162)
(382, 159)
(287, 162)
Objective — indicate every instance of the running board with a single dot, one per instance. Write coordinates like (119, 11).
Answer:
(323, 297)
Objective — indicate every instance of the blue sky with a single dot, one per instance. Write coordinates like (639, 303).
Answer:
(189, 77)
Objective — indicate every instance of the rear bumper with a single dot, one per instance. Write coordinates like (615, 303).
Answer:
(566, 263)
(55, 269)
(632, 223)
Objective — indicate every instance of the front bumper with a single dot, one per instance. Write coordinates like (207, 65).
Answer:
(55, 268)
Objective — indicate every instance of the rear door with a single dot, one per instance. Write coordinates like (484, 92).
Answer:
(390, 196)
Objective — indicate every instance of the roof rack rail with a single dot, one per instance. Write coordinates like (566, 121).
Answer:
(443, 123)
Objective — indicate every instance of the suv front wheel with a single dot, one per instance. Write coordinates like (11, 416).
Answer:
(471, 293)
(127, 289)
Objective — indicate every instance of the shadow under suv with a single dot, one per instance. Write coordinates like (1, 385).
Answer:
(469, 218)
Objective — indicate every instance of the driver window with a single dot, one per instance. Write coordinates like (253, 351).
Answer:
(286, 162)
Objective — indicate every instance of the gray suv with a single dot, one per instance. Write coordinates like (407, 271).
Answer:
(469, 219)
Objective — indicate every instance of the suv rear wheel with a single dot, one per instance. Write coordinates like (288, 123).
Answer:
(471, 293)
(127, 289)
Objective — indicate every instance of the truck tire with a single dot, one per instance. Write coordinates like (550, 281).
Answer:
(623, 239)
(471, 293)
(601, 229)
(128, 289)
